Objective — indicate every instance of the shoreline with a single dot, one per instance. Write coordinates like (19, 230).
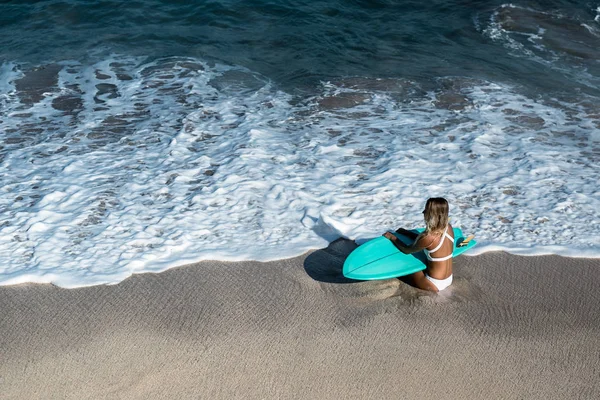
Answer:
(509, 327)
(479, 250)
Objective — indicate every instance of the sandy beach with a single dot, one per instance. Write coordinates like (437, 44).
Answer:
(510, 327)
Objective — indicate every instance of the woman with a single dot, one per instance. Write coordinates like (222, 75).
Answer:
(437, 241)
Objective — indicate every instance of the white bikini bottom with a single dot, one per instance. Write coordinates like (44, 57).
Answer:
(441, 284)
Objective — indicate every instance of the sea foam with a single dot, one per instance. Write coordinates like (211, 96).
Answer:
(128, 166)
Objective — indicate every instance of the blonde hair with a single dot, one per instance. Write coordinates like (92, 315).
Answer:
(436, 214)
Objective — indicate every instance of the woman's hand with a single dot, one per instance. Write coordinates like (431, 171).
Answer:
(395, 241)
(390, 236)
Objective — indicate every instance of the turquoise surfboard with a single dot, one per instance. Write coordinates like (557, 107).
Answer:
(380, 259)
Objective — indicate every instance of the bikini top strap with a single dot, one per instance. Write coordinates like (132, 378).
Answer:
(439, 246)
(448, 235)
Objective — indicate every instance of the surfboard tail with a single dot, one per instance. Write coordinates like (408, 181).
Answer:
(465, 241)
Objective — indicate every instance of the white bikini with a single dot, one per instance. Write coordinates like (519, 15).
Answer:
(440, 284)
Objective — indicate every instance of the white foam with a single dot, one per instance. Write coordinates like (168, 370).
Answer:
(186, 162)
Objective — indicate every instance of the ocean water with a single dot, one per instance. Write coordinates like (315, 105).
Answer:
(138, 136)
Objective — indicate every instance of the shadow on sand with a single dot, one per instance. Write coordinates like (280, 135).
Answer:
(326, 265)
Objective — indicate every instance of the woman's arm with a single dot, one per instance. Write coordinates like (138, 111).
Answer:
(409, 234)
(418, 245)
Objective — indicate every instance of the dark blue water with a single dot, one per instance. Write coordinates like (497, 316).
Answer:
(546, 46)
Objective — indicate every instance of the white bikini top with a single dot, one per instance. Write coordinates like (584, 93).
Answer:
(439, 246)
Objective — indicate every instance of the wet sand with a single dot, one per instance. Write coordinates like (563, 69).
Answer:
(510, 327)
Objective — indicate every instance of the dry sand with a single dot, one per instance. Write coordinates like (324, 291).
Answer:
(509, 328)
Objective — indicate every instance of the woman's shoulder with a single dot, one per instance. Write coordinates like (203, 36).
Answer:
(426, 234)
(427, 238)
